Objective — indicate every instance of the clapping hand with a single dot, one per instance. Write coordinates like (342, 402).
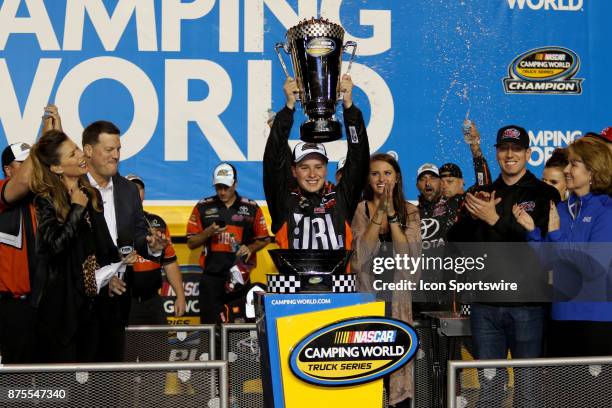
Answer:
(523, 217)
(481, 208)
(554, 223)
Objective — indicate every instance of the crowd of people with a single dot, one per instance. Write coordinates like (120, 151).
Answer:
(80, 259)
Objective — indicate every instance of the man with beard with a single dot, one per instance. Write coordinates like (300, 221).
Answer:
(442, 193)
(440, 203)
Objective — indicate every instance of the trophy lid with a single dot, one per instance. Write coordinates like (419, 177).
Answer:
(293, 261)
(315, 27)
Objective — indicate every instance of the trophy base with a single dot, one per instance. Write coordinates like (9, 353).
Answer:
(320, 130)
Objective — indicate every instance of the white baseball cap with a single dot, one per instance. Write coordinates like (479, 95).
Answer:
(428, 168)
(15, 152)
(303, 149)
(224, 174)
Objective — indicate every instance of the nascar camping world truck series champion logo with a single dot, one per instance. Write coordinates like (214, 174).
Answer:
(353, 351)
(546, 70)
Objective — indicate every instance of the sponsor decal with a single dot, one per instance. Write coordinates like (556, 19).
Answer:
(439, 211)
(243, 210)
(545, 70)
(556, 5)
(315, 280)
(211, 211)
(316, 232)
(154, 222)
(353, 132)
(237, 217)
(319, 210)
(309, 146)
(527, 205)
(223, 173)
(329, 200)
(586, 219)
(429, 228)
(320, 46)
(353, 351)
(511, 133)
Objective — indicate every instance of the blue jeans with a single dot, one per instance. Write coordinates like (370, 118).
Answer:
(497, 329)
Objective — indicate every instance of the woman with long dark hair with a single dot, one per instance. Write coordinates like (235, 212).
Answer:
(72, 242)
(385, 225)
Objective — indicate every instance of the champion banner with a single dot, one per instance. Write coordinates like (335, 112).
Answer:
(190, 83)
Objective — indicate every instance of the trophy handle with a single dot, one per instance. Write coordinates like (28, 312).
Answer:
(277, 47)
(352, 44)
(283, 46)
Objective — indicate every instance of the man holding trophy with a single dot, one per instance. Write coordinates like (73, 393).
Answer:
(308, 212)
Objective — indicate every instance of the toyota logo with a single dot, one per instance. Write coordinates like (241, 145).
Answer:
(429, 228)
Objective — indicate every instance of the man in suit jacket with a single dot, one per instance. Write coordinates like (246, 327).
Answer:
(128, 227)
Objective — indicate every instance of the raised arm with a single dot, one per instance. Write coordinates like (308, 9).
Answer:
(277, 158)
(358, 151)
(482, 173)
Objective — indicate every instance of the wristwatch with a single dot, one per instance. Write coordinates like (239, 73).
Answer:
(393, 219)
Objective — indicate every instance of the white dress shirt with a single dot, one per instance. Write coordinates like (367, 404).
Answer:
(109, 211)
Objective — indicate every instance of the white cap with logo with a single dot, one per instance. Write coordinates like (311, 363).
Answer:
(303, 149)
(224, 174)
(428, 168)
(15, 152)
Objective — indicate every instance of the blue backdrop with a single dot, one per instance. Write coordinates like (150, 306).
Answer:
(190, 82)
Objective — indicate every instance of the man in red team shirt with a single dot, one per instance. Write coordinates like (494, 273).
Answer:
(147, 305)
(228, 227)
(17, 250)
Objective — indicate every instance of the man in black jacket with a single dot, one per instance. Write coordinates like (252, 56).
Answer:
(308, 212)
(501, 326)
(127, 226)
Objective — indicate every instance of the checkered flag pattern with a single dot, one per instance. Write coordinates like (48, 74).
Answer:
(315, 28)
(283, 283)
(466, 310)
(344, 283)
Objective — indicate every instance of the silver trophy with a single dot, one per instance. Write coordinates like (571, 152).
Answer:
(316, 47)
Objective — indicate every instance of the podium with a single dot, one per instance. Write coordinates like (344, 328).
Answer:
(326, 348)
